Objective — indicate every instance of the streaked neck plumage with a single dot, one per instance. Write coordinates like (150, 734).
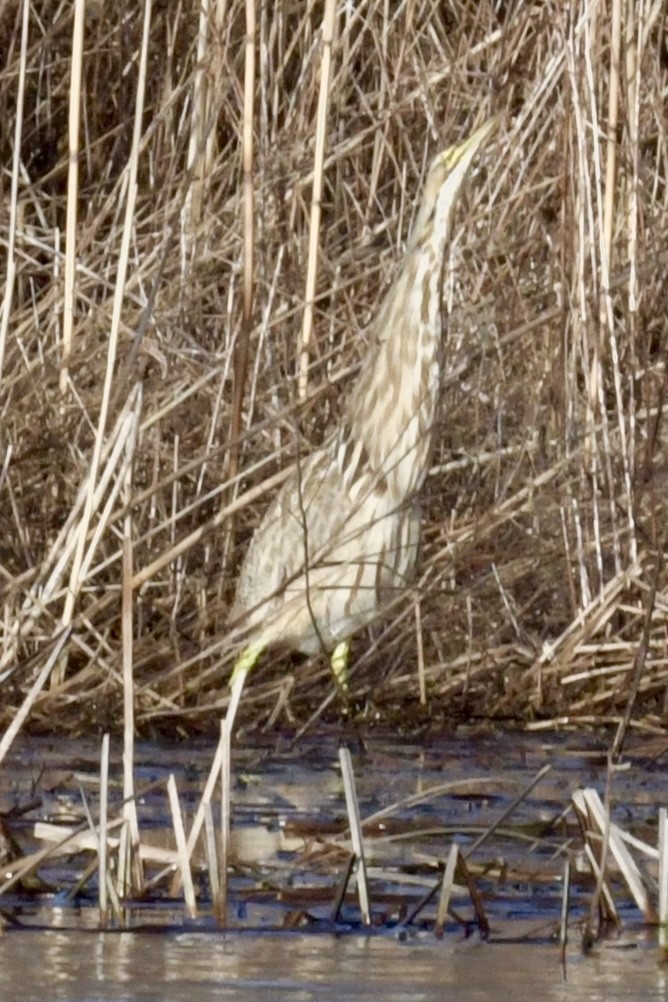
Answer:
(387, 426)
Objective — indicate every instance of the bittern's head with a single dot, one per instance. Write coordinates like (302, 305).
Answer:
(444, 181)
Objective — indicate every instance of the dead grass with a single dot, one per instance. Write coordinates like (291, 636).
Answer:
(122, 516)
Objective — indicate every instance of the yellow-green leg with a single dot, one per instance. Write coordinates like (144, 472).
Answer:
(246, 660)
(339, 663)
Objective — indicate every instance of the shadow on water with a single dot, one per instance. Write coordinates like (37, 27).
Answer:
(289, 848)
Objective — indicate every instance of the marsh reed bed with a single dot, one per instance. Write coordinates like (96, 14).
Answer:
(179, 325)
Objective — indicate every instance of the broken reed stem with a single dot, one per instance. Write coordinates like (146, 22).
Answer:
(182, 848)
(602, 901)
(207, 794)
(102, 836)
(446, 889)
(356, 836)
(592, 817)
(112, 349)
(72, 188)
(599, 868)
(316, 198)
(14, 194)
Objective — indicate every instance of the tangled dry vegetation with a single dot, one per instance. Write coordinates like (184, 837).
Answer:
(152, 339)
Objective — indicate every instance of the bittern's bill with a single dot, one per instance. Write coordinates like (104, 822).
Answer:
(341, 538)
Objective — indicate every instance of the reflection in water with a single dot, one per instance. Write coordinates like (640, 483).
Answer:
(113, 967)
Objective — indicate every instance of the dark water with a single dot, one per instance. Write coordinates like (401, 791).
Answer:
(290, 844)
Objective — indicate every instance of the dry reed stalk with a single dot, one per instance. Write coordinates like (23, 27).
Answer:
(419, 646)
(446, 888)
(356, 834)
(226, 731)
(192, 209)
(328, 26)
(596, 819)
(119, 291)
(69, 290)
(213, 865)
(13, 202)
(127, 628)
(602, 904)
(241, 349)
(663, 875)
(102, 838)
(24, 709)
(65, 841)
(207, 793)
(563, 922)
(181, 849)
(542, 772)
(640, 655)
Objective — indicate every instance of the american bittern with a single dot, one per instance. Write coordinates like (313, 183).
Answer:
(341, 538)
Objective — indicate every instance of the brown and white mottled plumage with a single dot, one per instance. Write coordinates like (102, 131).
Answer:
(341, 537)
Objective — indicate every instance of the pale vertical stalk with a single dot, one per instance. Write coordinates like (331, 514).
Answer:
(635, 35)
(123, 878)
(249, 193)
(225, 815)
(602, 200)
(75, 581)
(446, 888)
(209, 787)
(181, 848)
(606, 316)
(422, 685)
(129, 801)
(611, 144)
(663, 876)
(241, 347)
(102, 838)
(193, 202)
(14, 195)
(219, 26)
(565, 904)
(587, 333)
(212, 862)
(356, 836)
(72, 187)
(314, 234)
